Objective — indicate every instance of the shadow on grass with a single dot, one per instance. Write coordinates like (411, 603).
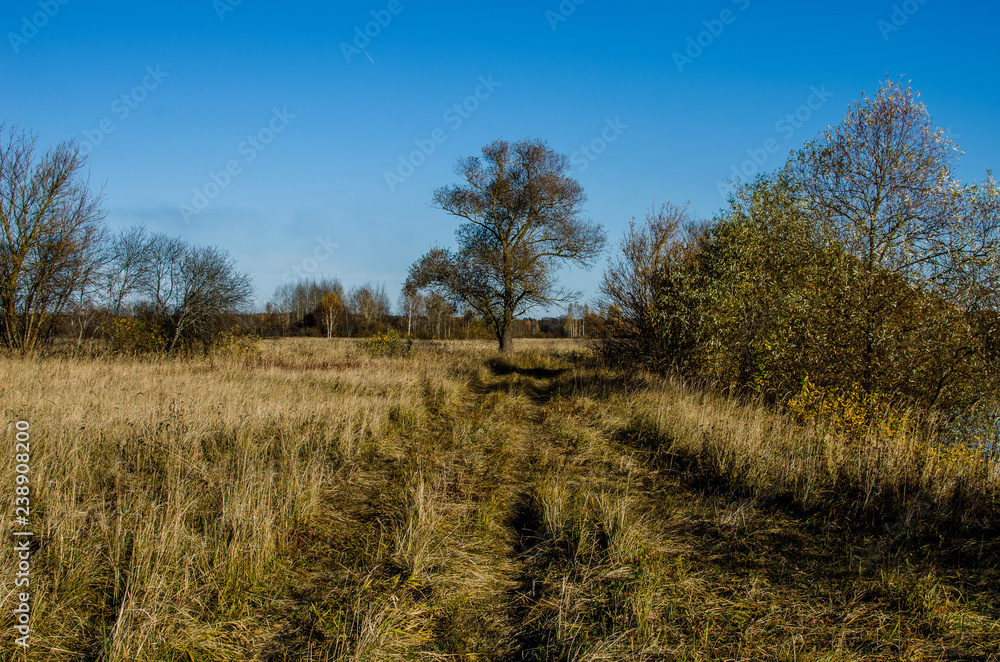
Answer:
(841, 533)
(543, 383)
(530, 546)
(503, 367)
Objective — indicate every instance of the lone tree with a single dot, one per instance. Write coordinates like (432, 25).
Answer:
(523, 220)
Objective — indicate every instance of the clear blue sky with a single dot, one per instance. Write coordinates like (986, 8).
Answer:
(173, 92)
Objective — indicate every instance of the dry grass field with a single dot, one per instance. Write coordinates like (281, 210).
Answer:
(311, 502)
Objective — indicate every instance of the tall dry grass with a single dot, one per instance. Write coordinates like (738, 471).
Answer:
(167, 494)
(748, 534)
(878, 472)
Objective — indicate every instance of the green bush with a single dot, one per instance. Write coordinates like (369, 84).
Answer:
(387, 343)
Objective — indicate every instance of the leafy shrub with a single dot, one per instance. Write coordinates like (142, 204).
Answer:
(858, 416)
(129, 335)
(386, 343)
(851, 412)
(238, 345)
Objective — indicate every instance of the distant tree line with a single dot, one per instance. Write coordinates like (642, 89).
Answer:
(322, 308)
(65, 275)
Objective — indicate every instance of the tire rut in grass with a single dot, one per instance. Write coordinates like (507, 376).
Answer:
(528, 549)
(484, 450)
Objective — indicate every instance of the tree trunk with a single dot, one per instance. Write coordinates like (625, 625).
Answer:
(505, 335)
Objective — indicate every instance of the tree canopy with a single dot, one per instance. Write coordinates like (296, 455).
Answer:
(863, 263)
(523, 218)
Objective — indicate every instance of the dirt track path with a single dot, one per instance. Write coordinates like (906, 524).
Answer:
(513, 400)
(548, 479)
(493, 447)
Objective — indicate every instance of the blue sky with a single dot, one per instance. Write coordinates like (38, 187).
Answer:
(266, 120)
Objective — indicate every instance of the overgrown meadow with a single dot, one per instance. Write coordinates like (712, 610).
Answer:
(312, 499)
